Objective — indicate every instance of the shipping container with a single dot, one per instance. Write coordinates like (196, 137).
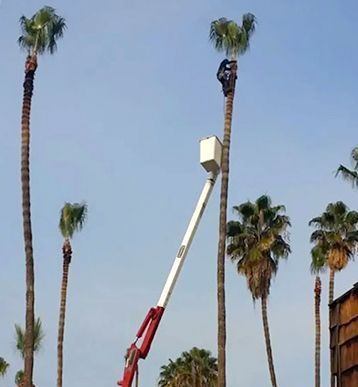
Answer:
(344, 339)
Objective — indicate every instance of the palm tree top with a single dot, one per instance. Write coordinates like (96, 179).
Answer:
(41, 31)
(319, 259)
(226, 35)
(336, 217)
(73, 218)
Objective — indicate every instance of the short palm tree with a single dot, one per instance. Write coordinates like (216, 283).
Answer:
(226, 35)
(318, 265)
(73, 217)
(256, 243)
(39, 35)
(20, 346)
(337, 233)
(196, 368)
(348, 174)
(3, 366)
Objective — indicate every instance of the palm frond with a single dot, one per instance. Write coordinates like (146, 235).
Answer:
(19, 377)
(3, 366)
(348, 175)
(72, 219)
(41, 32)
(319, 259)
(263, 202)
(38, 337)
(226, 35)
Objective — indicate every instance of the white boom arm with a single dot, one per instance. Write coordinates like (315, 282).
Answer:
(210, 156)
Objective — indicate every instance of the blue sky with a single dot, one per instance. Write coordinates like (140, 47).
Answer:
(117, 115)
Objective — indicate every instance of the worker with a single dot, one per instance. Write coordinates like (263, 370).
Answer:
(224, 75)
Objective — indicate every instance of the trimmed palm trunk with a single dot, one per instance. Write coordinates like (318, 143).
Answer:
(268, 341)
(67, 253)
(30, 69)
(331, 286)
(317, 308)
(225, 166)
(330, 300)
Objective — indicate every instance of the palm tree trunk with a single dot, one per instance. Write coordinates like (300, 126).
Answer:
(222, 233)
(30, 69)
(268, 341)
(67, 253)
(317, 292)
(331, 286)
(330, 300)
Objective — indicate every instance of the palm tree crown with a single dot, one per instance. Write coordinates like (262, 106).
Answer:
(41, 31)
(257, 243)
(335, 237)
(228, 36)
(196, 368)
(348, 174)
(73, 217)
(38, 337)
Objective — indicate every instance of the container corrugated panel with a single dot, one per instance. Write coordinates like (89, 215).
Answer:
(344, 338)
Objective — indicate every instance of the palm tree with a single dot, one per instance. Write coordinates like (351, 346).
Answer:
(336, 232)
(73, 217)
(256, 243)
(226, 35)
(318, 265)
(3, 366)
(39, 35)
(196, 368)
(348, 174)
(20, 346)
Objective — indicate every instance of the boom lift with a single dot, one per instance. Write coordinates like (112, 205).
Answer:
(210, 159)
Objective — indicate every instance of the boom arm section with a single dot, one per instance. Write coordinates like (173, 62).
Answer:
(210, 159)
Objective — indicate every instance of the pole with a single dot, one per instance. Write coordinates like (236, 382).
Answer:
(187, 239)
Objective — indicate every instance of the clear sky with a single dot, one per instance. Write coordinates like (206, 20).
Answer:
(117, 115)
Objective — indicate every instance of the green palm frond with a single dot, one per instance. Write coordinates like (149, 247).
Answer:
(263, 202)
(348, 175)
(352, 218)
(319, 259)
(73, 218)
(19, 377)
(38, 337)
(3, 366)
(39, 34)
(226, 35)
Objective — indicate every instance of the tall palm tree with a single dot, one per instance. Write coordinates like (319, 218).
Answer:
(20, 346)
(256, 243)
(3, 366)
(196, 368)
(318, 265)
(39, 35)
(73, 217)
(348, 174)
(226, 35)
(337, 231)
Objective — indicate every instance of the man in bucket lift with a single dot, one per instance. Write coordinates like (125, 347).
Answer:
(224, 75)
